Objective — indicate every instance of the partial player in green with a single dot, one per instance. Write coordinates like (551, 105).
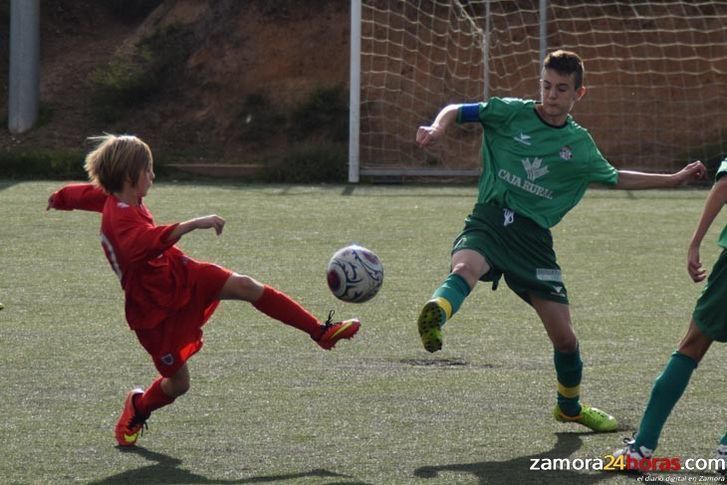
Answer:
(708, 323)
(537, 164)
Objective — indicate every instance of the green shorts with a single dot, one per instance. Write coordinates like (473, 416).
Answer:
(516, 247)
(710, 312)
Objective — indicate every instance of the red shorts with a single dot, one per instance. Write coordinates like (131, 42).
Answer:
(179, 336)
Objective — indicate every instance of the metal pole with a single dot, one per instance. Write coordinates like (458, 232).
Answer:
(486, 52)
(354, 111)
(24, 82)
(543, 31)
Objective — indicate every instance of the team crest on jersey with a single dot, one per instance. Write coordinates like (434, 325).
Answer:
(566, 153)
(167, 359)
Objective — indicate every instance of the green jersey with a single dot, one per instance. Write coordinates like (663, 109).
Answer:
(710, 312)
(722, 170)
(536, 169)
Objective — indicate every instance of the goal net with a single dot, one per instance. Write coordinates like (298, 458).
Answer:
(656, 72)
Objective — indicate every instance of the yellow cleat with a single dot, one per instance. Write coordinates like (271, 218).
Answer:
(430, 322)
(592, 418)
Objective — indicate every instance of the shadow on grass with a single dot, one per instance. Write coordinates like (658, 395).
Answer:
(167, 470)
(518, 470)
(5, 184)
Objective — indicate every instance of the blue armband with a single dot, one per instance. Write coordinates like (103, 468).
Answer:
(469, 113)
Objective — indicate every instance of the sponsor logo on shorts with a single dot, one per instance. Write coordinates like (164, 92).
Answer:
(544, 274)
(508, 216)
(167, 359)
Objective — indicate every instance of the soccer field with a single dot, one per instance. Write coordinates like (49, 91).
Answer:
(268, 406)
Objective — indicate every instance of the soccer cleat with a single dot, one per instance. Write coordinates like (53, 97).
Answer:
(333, 332)
(630, 452)
(721, 455)
(592, 418)
(130, 425)
(631, 456)
(430, 323)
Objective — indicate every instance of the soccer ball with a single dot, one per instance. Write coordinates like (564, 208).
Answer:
(355, 274)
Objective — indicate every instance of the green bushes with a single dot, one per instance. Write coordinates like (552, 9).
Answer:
(309, 163)
(258, 120)
(324, 113)
(316, 132)
(123, 84)
(41, 163)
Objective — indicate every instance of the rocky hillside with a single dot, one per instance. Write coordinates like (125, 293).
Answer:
(224, 80)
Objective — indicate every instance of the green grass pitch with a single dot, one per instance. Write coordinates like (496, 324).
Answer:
(268, 406)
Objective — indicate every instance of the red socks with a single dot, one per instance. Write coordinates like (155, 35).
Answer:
(272, 303)
(153, 398)
(280, 306)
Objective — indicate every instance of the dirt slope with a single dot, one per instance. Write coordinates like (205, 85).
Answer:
(280, 49)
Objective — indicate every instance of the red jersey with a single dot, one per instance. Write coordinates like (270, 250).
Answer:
(152, 270)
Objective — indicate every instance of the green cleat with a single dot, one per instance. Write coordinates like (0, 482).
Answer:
(592, 418)
(430, 323)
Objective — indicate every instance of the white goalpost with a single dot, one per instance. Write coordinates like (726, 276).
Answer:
(656, 72)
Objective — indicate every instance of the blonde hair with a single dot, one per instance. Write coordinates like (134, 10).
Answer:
(116, 158)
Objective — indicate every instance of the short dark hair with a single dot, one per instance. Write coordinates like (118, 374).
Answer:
(566, 62)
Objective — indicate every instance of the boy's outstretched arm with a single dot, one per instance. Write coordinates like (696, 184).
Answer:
(207, 222)
(715, 201)
(628, 179)
(428, 135)
(86, 197)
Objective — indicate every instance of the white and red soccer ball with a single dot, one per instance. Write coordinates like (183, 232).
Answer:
(355, 274)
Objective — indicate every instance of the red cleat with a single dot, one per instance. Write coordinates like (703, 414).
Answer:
(130, 425)
(333, 332)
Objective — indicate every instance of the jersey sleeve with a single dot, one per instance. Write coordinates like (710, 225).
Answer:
(139, 239)
(600, 170)
(86, 197)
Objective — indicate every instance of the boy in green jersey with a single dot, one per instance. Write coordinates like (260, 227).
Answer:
(708, 323)
(537, 164)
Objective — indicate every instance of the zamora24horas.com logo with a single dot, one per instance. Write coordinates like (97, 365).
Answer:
(627, 463)
(624, 463)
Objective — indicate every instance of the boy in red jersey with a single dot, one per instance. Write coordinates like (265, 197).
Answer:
(169, 296)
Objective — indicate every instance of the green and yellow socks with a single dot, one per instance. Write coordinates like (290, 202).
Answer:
(569, 370)
(451, 294)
